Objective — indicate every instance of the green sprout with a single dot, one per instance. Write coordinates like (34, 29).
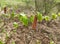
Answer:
(54, 16)
(38, 42)
(39, 16)
(7, 36)
(47, 18)
(51, 42)
(15, 24)
(3, 31)
(31, 18)
(14, 30)
(13, 42)
(1, 42)
(24, 19)
(12, 15)
(58, 14)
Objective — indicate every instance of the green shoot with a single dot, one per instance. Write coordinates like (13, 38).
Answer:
(47, 18)
(54, 16)
(7, 36)
(39, 16)
(3, 31)
(1, 42)
(12, 15)
(15, 25)
(38, 42)
(51, 42)
(14, 30)
(58, 14)
(24, 19)
(31, 19)
(13, 42)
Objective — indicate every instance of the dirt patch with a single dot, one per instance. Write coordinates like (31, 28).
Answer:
(44, 33)
(26, 35)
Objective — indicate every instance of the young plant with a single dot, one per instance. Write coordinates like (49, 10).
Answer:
(39, 16)
(14, 30)
(24, 19)
(12, 15)
(58, 14)
(54, 16)
(7, 36)
(47, 18)
(1, 42)
(51, 42)
(31, 19)
(38, 42)
(13, 42)
(15, 24)
(3, 31)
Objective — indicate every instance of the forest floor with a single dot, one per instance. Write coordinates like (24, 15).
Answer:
(44, 33)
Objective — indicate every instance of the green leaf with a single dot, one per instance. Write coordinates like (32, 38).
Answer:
(51, 42)
(14, 30)
(38, 42)
(22, 14)
(39, 16)
(13, 42)
(15, 24)
(20, 17)
(12, 15)
(54, 16)
(31, 19)
(24, 19)
(1, 42)
(58, 14)
(47, 18)
(7, 36)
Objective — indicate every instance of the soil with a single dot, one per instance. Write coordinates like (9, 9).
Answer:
(43, 34)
